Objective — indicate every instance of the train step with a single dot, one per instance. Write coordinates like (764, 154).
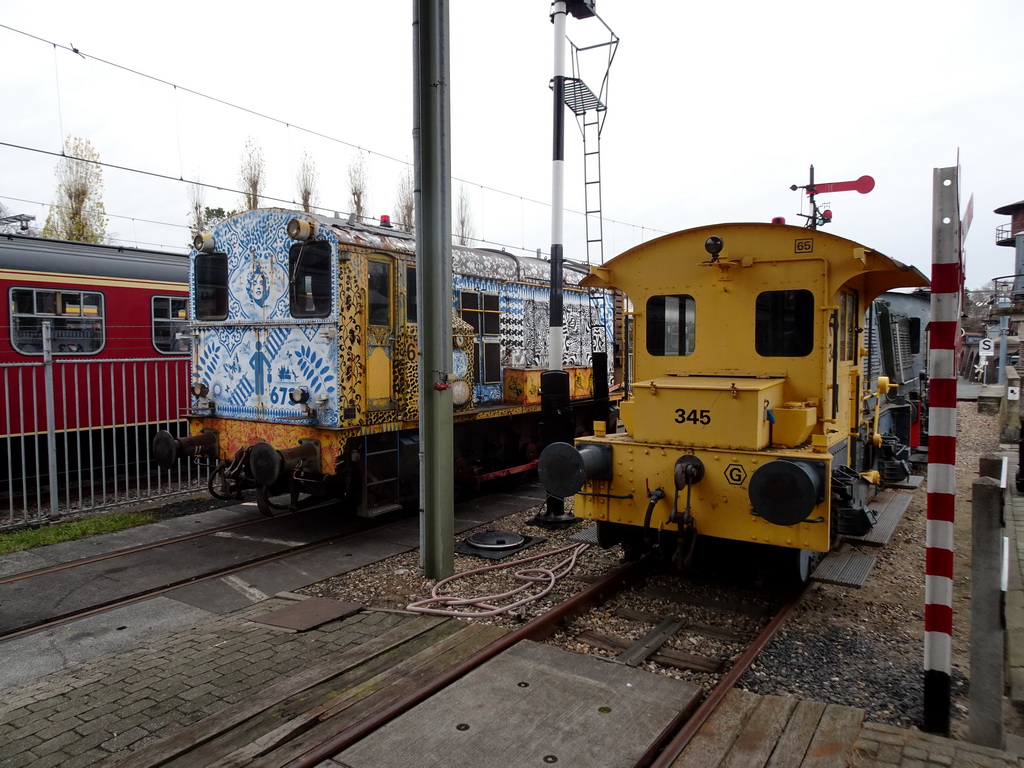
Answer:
(381, 509)
(912, 483)
(845, 568)
(889, 505)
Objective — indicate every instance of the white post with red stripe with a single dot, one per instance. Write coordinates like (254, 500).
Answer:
(944, 338)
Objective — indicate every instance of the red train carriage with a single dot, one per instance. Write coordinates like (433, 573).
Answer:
(94, 343)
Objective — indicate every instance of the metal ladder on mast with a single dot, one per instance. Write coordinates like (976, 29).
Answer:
(589, 110)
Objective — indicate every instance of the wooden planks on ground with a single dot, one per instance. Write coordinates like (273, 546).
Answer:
(773, 732)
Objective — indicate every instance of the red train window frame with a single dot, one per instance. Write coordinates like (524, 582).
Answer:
(170, 323)
(76, 317)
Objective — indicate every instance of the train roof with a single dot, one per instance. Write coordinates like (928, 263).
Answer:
(908, 276)
(36, 254)
(483, 262)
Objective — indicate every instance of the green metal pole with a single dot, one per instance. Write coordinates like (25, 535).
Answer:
(432, 139)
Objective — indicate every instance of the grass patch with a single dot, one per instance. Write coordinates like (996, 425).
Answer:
(78, 529)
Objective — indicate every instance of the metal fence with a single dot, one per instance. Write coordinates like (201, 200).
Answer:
(77, 435)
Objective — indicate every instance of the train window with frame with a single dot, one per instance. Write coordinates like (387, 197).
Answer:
(211, 271)
(309, 278)
(469, 308)
(482, 311)
(670, 325)
(491, 363)
(784, 323)
(170, 324)
(915, 335)
(379, 296)
(76, 320)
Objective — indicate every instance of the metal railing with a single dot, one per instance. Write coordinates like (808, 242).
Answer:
(77, 433)
(1006, 233)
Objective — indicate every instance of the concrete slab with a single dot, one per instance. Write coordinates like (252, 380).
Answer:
(532, 705)
(120, 630)
(254, 584)
(308, 614)
(22, 562)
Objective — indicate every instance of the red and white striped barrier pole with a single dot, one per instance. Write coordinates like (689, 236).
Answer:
(944, 337)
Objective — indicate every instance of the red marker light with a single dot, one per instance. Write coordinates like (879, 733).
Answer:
(779, 220)
(826, 215)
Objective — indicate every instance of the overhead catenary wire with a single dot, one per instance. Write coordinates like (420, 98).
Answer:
(256, 113)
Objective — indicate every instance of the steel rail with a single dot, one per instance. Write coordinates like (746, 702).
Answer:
(187, 581)
(132, 550)
(688, 722)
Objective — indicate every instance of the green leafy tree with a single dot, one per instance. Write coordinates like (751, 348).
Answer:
(78, 212)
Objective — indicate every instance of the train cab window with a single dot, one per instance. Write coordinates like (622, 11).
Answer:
(211, 270)
(309, 278)
(379, 304)
(76, 321)
(670, 325)
(170, 324)
(784, 323)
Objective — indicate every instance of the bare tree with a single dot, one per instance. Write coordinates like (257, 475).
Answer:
(463, 218)
(78, 212)
(196, 209)
(306, 181)
(252, 174)
(357, 185)
(405, 204)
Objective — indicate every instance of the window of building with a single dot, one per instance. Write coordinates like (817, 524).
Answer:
(211, 270)
(76, 321)
(671, 322)
(170, 323)
(309, 278)
(784, 323)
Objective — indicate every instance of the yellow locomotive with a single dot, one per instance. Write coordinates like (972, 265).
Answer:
(748, 416)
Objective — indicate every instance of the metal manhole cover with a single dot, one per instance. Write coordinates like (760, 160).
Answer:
(496, 540)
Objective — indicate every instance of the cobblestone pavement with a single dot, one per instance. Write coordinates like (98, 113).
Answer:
(115, 702)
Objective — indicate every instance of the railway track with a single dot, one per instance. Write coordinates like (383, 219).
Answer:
(355, 700)
(57, 594)
(652, 650)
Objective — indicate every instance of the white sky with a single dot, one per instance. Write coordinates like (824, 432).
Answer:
(715, 108)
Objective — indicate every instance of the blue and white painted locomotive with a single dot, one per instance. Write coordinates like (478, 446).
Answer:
(305, 358)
